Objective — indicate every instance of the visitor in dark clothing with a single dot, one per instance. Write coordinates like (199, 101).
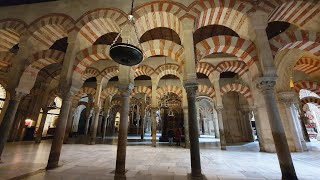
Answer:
(170, 136)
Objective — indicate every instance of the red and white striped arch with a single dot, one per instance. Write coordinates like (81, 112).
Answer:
(240, 88)
(230, 13)
(143, 70)
(89, 73)
(46, 30)
(5, 58)
(158, 19)
(243, 49)
(298, 39)
(115, 102)
(109, 91)
(205, 68)
(92, 54)
(10, 33)
(309, 85)
(86, 91)
(167, 69)
(205, 109)
(45, 58)
(307, 65)
(141, 89)
(37, 62)
(96, 23)
(312, 100)
(297, 13)
(175, 8)
(206, 91)
(238, 67)
(110, 72)
(165, 48)
(169, 89)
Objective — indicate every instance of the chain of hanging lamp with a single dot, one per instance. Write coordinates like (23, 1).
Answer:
(131, 20)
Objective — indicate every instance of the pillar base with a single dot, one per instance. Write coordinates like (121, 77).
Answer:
(52, 166)
(201, 177)
(224, 148)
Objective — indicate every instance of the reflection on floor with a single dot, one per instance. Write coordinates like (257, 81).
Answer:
(25, 160)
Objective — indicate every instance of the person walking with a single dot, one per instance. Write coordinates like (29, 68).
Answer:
(178, 137)
(170, 135)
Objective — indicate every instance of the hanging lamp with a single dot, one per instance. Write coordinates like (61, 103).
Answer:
(125, 53)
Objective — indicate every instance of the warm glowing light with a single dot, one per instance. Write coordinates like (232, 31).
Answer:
(28, 122)
(291, 83)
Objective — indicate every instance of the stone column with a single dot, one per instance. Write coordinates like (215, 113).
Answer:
(287, 98)
(99, 126)
(191, 89)
(258, 129)
(266, 83)
(279, 137)
(94, 128)
(86, 129)
(105, 124)
(42, 123)
(216, 128)
(223, 142)
(294, 110)
(143, 120)
(8, 118)
(125, 91)
(186, 127)
(60, 130)
(69, 125)
(154, 126)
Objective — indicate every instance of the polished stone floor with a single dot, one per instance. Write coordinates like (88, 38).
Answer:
(26, 160)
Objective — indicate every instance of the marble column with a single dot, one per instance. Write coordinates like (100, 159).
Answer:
(186, 127)
(60, 130)
(191, 89)
(94, 128)
(223, 142)
(69, 125)
(266, 83)
(143, 121)
(154, 126)
(105, 124)
(99, 126)
(216, 128)
(42, 123)
(125, 91)
(86, 129)
(8, 118)
(258, 129)
(279, 137)
(287, 99)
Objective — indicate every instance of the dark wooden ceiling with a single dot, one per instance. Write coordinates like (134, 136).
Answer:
(210, 31)
(161, 33)
(108, 39)
(275, 28)
(20, 2)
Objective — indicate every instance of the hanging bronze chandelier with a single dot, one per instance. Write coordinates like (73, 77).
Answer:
(125, 53)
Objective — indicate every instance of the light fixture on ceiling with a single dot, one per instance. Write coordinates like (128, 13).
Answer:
(125, 53)
(170, 113)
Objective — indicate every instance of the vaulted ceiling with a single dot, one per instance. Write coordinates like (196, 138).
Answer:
(19, 2)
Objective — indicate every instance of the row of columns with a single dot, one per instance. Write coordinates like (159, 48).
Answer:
(266, 85)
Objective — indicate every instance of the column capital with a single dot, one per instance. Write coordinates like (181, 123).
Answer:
(219, 108)
(125, 89)
(45, 109)
(17, 95)
(288, 98)
(191, 88)
(259, 20)
(188, 24)
(266, 83)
